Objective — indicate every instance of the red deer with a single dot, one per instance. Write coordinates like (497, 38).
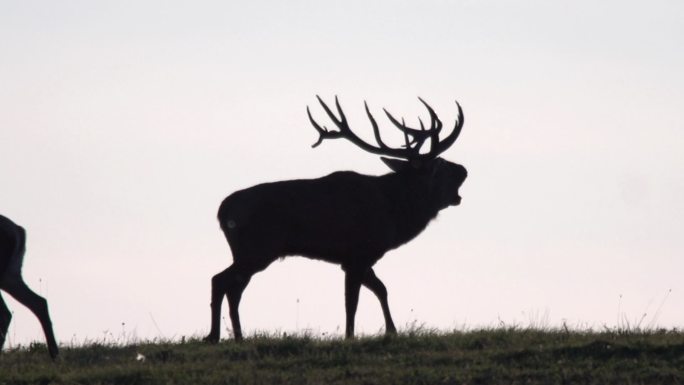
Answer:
(344, 218)
(12, 248)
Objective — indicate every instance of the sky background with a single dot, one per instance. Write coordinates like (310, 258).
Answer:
(124, 124)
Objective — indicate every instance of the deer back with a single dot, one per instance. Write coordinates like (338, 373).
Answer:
(326, 218)
(337, 218)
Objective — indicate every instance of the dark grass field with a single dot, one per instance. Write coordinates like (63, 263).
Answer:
(495, 356)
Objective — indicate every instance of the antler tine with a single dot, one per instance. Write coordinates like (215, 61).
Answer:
(407, 140)
(422, 128)
(419, 136)
(376, 129)
(346, 132)
(322, 131)
(403, 127)
(449, 140)
(343, 119)
(435, 127)
(338, 122)
(436, 123)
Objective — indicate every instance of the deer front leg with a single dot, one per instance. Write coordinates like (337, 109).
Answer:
(5, 319)
(352, 286)
(372, 282)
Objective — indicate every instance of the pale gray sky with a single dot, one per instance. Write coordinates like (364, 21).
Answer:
(124, 124)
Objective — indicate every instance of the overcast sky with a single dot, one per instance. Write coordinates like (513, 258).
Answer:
(124, 124)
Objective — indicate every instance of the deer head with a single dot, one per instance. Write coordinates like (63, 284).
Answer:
(442, 177)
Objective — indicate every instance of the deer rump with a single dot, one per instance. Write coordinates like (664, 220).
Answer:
(344, 218)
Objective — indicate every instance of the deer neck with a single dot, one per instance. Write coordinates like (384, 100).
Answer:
(411, 203)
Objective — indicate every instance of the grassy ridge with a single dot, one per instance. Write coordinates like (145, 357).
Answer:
(500, 356)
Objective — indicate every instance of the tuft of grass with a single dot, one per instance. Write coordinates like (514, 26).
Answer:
(503, 355)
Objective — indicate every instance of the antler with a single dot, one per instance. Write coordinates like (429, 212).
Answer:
(415, 138)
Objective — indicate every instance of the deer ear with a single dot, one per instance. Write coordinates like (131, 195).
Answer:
(395, 165)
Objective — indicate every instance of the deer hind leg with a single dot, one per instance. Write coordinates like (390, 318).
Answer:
(372, 282)
(38, 306)
(5, 318)
(219, 288)
(229, 283)
(236, 286)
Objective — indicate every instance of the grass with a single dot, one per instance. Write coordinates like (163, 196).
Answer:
(491, 356)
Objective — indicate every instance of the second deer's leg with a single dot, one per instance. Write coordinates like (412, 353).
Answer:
(38, 305)
(352, 286)
(372, 282)
(5, 318)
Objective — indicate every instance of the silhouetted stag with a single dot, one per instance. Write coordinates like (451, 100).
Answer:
(345, 218)
(12, 248)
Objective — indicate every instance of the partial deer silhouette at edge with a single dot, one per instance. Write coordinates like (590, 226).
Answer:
(12, 249)
(345, 218)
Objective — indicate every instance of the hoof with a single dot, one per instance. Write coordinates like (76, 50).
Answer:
(211, 339)
(54, 352)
